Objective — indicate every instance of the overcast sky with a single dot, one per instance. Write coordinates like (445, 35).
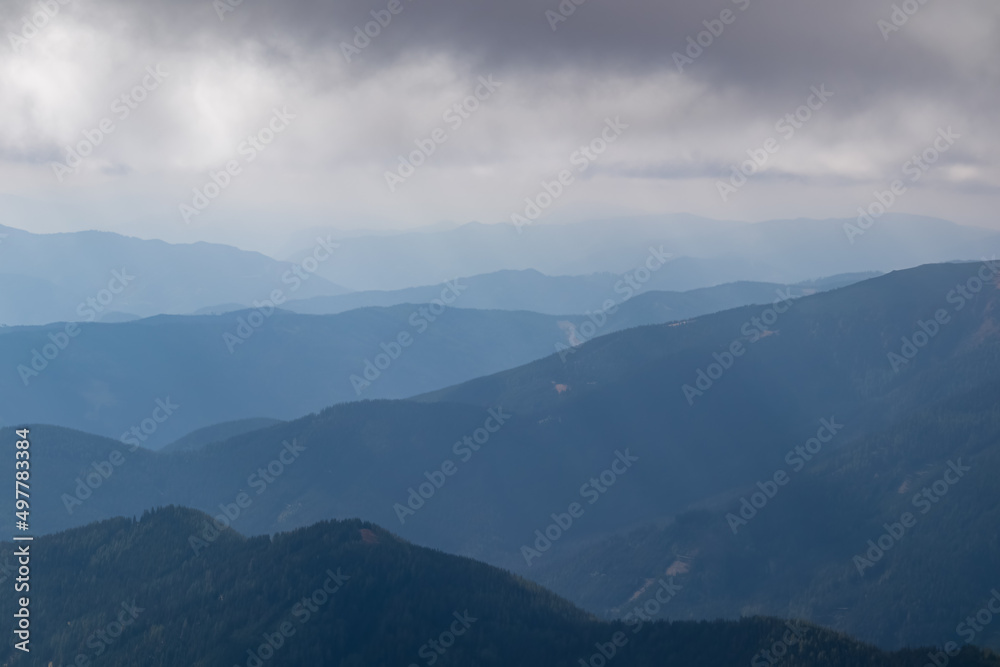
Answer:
(221, 80)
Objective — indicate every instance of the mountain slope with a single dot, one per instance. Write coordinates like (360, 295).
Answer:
(484, 468)
(216, 433)
(349, 594)
(816, 548)
(107, 378)
(214, 369)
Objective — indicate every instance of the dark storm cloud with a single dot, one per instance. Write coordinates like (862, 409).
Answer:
(770, 46)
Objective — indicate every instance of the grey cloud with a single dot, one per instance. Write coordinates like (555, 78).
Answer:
(773, 44)
(940, 68)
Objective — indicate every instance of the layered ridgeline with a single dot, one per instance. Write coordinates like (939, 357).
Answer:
(570, 295)
(84, 276)
(883, 503)
(583, 470)
(350, 593)
(88, 276)
(708, 252)
(217, 433)
(110, 378)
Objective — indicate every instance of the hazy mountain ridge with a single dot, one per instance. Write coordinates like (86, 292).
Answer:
(569, 295)
(622, 395)
(216, 433)
(105, 378)
(713, 251)
(83, 276)
(54, 277)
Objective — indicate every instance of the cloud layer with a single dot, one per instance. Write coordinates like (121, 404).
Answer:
(560, 70)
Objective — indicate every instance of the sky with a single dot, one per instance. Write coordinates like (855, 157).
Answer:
(240, 121)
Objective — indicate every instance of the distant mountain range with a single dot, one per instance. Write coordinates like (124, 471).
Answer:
(635, 457)
(351, 594)
(555, 269)
(100, 276)
(714, 251)
(272, 363)
(568, 295)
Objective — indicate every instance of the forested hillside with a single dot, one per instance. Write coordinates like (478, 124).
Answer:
(350, 593)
